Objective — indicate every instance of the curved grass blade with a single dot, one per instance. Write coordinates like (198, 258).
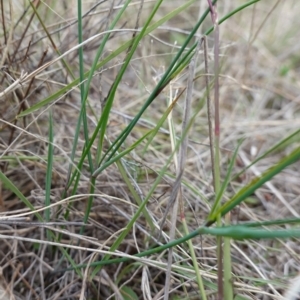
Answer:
(272, 149)
(237, 232)
(152, 133)
(273, 222)
(161, 121)
(105, 115)
(9, 185)
(102, 124)
(254, 185)
(121, 154)
(220, 194)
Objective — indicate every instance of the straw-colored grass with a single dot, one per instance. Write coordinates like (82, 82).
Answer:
(259, 101)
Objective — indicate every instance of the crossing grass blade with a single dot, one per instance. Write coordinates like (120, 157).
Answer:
(103, 62)
(236, 232)
(254, 185)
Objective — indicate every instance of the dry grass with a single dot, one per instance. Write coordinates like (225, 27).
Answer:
(259, 101)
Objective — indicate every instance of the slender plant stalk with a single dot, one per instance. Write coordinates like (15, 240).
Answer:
(24, 32)
(49, 172)
(209, 110)
(224, 287)
(81, 77)
(182, 160)
(55, 48)
(177, 189)
(10, 35)
(171, 202)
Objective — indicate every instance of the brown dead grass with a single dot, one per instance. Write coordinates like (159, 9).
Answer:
(259, 101)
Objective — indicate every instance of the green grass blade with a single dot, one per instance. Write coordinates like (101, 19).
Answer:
(238, 9)
(170, 73)
(255, 184)
(84, 94)
(161, 121)
(95, 64)
(104, 118)
(272, 149)
(237, 232)
(220, 194)
(121, 154)
(273, 222)
(83, 115)
(9, 185)
(240, 232)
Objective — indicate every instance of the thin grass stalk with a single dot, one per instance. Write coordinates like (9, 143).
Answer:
(217, 184)
(173, 145)
(51, 40)
(219, 196)
(88, 143)
(177, 189)
(171, 126)
(175, 208)
(167, 114)
(105, 113)
(209, 110)
(83, 114)
(24, 33)
(182, 160)
(104, 118)
(10, 34)
(183, 155)
(49, 172)
(82, 89)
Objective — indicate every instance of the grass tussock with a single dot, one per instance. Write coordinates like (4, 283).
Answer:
(107, 185)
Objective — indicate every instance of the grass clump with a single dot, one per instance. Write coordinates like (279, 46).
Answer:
(149, 150)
